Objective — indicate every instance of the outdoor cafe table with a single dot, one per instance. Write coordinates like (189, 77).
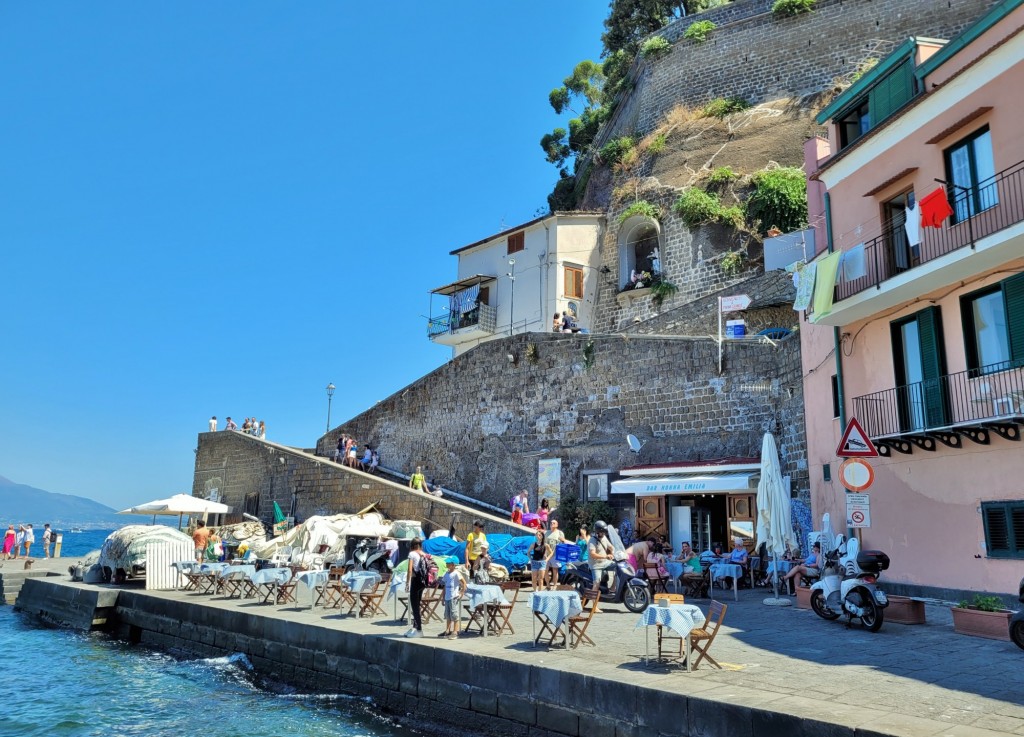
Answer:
(479, 596)
(272, 578)
(785, 566)
(556, 607)
(207, 576)
(723, 570)
(184, 568)
(236, 571)
(675, 571)
(312, 579)
(396, 587)
(680, 618)
(359, 582)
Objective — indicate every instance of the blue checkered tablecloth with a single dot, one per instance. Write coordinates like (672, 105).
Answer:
(557, 605)
(244, 570)
(681, 618)
(785, 566)
(271, 575)
(723, 570)
(360, 581)
(478, 595)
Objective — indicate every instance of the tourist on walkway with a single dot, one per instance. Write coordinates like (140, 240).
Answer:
(415, 582)
(538, 553)
(261, 433)
(555, 538)
(19, 541)
(418, 482)
(10, 538)
(601, 555)
(374, 462)
(454, 590)
(201, 538)
(556, 323)
(583, 543)
(47, 539)
(520, 506)
(475, 542)
(30, 537)
(543, 513)
(213, 424)
(230, 425)
(810, 567)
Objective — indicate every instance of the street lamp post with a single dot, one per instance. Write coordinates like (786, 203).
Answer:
(512, 301)
(330, 395)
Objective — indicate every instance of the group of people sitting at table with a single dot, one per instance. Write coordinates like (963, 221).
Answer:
(693, 571)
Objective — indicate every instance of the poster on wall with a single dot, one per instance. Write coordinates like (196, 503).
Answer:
(549, 481)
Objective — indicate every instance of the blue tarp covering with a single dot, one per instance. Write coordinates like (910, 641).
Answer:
(505, 550)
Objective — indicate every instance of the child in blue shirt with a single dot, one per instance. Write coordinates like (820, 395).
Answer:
(454, 590)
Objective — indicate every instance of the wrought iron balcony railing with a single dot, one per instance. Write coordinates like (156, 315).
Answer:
(482, 316)
(991, 396)
(978, 212)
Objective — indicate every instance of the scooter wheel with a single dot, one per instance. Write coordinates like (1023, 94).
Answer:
(872, 619)
(1017, 633)
(821, 608)
(636, 598)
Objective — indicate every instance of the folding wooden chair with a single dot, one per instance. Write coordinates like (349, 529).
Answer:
(329, 593)
(498, 615)
(578, 624)
(658, 584)
(371, 601)
(286, 591)
(231, 584)
(429, 602)
(707, 633)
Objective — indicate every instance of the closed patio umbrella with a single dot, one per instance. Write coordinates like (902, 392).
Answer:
(774, 527)
(179, 504)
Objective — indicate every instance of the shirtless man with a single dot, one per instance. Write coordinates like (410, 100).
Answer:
(201, 537)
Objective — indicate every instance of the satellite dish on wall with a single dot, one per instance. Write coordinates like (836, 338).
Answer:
(634, 444)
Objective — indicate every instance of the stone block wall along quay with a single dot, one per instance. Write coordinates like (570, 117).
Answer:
(251, 474)
(479, 423)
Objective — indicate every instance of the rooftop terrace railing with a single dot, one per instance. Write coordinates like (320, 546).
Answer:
(980, 211)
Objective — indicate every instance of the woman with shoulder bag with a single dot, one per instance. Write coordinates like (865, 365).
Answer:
(415, 582)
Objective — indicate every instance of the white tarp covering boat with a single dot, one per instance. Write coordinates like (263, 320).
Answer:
(126, 548)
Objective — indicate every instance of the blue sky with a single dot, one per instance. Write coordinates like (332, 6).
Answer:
(218, 208)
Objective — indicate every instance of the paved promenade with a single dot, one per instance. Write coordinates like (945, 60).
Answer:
(914, 680)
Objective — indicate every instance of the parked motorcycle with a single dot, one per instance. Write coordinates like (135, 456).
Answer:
(1017, 621)
(628, 589)
(369, 555)
(848, 585)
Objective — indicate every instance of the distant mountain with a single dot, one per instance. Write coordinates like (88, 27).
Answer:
(22, 503)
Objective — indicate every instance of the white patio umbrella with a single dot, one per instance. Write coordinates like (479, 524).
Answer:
(179, 504)
(774, 526)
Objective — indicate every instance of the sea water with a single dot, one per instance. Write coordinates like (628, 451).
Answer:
(72, 684)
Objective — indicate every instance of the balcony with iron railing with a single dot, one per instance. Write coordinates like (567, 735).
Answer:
(995, 204)
(946, 409)
(452, 328)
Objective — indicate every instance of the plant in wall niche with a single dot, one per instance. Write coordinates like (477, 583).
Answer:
(732, 263)
(588, 355)
(660, 291)
(699, 31)
(654, 47)
(779, 199)
(792, 7)
(531, 353)
(640, 207)
(723, 106)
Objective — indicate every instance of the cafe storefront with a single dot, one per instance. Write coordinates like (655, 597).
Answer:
(701, 502)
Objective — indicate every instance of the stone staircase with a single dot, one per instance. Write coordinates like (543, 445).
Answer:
(13, 575)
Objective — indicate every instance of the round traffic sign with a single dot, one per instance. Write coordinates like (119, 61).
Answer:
(856, 474)
(857, 516)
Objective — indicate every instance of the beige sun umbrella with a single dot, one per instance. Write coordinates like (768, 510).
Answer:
(179, 504)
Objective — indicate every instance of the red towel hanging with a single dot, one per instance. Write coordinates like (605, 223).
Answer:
(935, 208)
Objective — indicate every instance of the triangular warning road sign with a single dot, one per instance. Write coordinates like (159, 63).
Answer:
(855, 442)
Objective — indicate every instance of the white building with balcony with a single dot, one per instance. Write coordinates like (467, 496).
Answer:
(516, 280)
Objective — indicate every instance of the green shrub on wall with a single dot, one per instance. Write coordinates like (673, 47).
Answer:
(723, 106)
(654, 47)
(779, 199)
(722, 176)
(641, 207)
(733, 263)
(613, 151)
(699, 30)
(792, 7)
(695, 207)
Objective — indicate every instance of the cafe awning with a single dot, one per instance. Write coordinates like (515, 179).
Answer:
(688, 484)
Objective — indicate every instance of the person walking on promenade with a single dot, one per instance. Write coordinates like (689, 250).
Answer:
(418, 482)
(475, 542)
(30, 537)
(262, 432)
(10, 538)
(415, 582)
(520, 506)
(19, 541)
(213, 424)
(201, 538)
(230, 425)
(454, 590)
(554, 538)
(47, 539)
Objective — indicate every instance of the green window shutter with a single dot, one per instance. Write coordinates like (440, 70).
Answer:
(997, 530)
(933, 365)
(1013, 299)
(1017, 529)
(890, 94)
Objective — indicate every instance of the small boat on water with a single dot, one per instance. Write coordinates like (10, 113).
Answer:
(75, 529)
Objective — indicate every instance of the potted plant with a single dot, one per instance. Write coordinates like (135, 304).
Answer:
(983, 617)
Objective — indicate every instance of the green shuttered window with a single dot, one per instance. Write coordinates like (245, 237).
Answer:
(891, 93)
(1004, 528)
(993, 320)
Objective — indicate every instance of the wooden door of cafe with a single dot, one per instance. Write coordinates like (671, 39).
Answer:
(650, 517)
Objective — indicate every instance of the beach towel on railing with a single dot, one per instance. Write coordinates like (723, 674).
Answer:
(445, 546)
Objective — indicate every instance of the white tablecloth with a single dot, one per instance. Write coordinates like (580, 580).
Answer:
(477, 595)
(360, 581)
(557, 605)
(245, 570)
(212, 567)
(312, 579)
(397, 586)
(185, 566)
(271, 575)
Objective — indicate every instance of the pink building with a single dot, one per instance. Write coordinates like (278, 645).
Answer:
(923, 341)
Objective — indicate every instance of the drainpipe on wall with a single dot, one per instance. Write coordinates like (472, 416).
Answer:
(837, 346)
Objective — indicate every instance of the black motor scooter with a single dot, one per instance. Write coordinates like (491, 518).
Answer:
(1017, 621)
(629, 589)
(369, 555)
